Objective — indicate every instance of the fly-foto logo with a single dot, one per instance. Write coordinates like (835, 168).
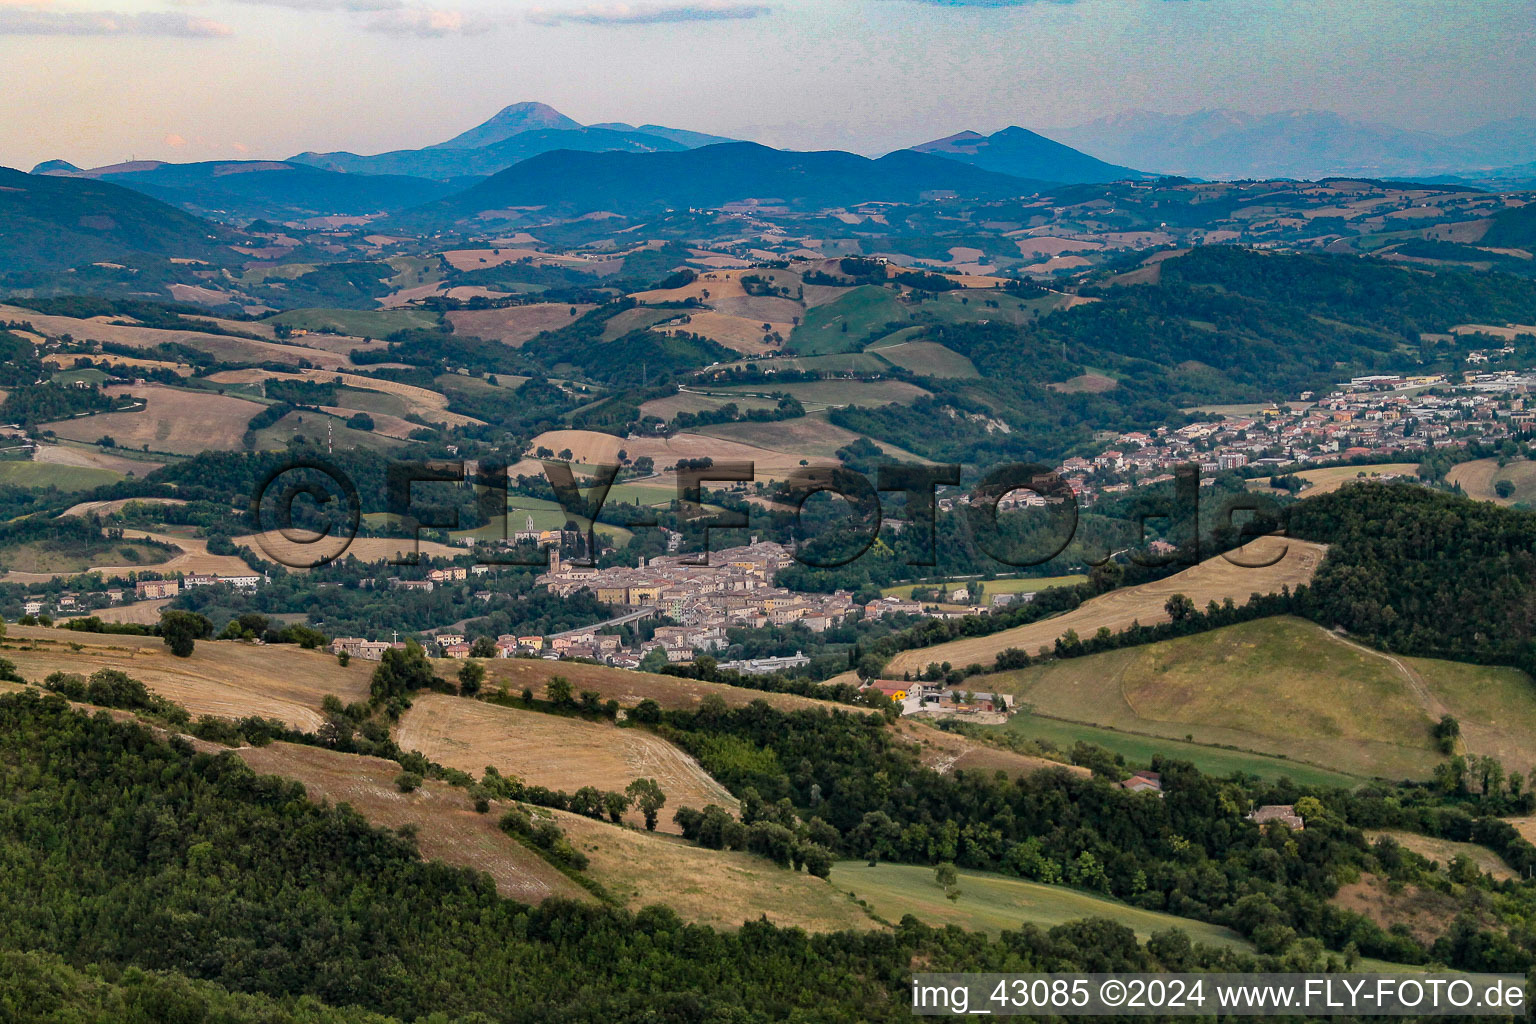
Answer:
(308, 512)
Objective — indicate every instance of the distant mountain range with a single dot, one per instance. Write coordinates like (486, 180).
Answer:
(1229, 144)
(515, 133)
(1024, 154)
(712, 176)
(256, 188)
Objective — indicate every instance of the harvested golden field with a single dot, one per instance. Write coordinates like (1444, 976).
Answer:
(232, 349)
(226, 678)
(105, 508)
(64, 361)
(720, 888)
(142, 613)
(554, 751)
(274, 545)
(945, 752)
(734, 332)
(811, 437)
(514, 325)
(673, 693)
(588, 446)
(1326, 481)
(429, 405)
(1478, 480)
(480, 259)
(1215, 579)
(175, 421)
(93, 458)
(449, 830)
(194, 558)
(1087, 383)
(694, 402)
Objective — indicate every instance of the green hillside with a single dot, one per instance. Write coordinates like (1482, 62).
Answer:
(50, 223)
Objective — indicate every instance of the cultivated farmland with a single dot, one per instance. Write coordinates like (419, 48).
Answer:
(554, 751)
(175, 421)
(224, 678)
(1215, 579)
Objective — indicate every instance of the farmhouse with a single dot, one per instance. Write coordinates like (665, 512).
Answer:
(154, 590)
(1277, 814)
(1144, 782)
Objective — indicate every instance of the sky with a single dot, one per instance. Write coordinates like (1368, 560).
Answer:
(100, 81)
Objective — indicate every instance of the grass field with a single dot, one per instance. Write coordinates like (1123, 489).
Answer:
(637, 319)
(173, 420)
(1017, 585)
(992, 903)
(449, 830)
(47, 557)
(848, 322)
(192, 556)
(1214, 579)
(357, 323)
(927, 358)
(555, 751)
(590, 447)
(1278, 686)
(226, 678)
(811, 436)
(273, 544)
(1478, 480)
(45, 474)
(1496, 706)
(1139, 749)
(830, 394)
(945, 752)
(319, 428)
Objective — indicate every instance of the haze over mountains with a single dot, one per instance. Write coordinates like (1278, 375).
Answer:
(1230, 144)
(529, 154)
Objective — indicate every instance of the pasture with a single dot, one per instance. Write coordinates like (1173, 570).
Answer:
(47, 474)
(554, 751)
(1278, 686)
(848, 322)
(993, 903)
(1215, 579)
(673, 693)
(1326, 481)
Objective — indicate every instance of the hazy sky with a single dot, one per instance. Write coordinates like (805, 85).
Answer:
(97, 81)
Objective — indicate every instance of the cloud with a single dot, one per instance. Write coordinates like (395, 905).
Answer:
(647, 13)
(430, 23)
(363, 6)
(17, 19)
(175, 140)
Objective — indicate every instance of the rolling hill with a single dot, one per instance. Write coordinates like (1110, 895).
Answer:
(258, 188)
(1024, 154)
(715, 175)
(49, 223)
